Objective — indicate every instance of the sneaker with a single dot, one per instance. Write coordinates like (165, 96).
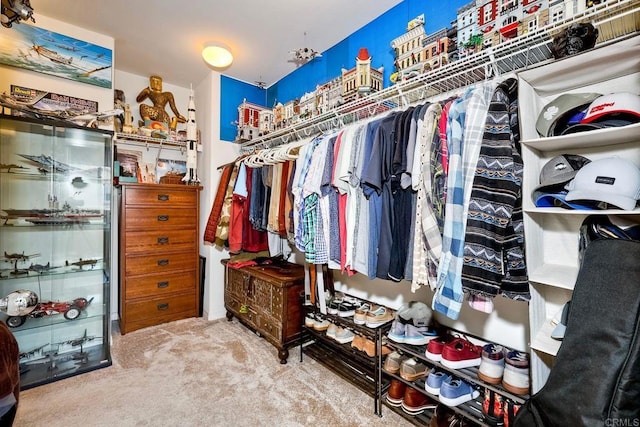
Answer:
(418, 335)
(434, 381)
(454, 392)
(402, 318)
(309, 320)
(369, 347)
(492, 364)
(344, 335)
(393, 362)
(347, 308)
(360, 315)
(415, 402)
(493, 408)
(321, 324)
(461, 353)
(516, 372)
(395, 394)
(358, 342)
(411, 369)
(511, 409)
(331, 330)
(443, 416)
(435, 346)
(332, 306)
(379, 317)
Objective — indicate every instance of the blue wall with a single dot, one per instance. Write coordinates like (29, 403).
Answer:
(375, 36)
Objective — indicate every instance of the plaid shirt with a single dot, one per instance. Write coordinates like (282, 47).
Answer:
(427, 241)
(467, 117)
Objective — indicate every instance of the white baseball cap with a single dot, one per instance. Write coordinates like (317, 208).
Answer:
(612, 180)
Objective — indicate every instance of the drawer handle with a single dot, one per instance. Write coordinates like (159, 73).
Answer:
(162, 285)
(163, 306)
(163, 217)
(163, 197)
(163, 240)
(163, 262)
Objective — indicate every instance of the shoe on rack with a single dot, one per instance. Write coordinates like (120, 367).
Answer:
(461, 353)
(411, 369)
(379, 317)
(434, 381)
(331, 330)
(418, 335)
(492, 364)
(344, 335)
(369, 347)
(393, 362)
(493, 408)
(347, 308)
(320, 323)
(516, 372)
(395, 394)
(435, 346)
(511, 409)
(332, 306)
(309, 320)
(358, 342)
(455, 391)
(402, 318)
(414, 402)
(360, 315)
(443, 416)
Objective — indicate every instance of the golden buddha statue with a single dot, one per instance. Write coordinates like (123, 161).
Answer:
(160, 99)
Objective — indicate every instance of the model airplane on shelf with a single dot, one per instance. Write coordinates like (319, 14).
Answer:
(47, 164)
(82, 262)
(15, 258)
(77, 117)
(10, 166)
(41, 269)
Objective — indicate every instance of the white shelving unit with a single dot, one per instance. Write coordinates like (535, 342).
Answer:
(552, 233)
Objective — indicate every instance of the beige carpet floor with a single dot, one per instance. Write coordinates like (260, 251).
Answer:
(198, 373)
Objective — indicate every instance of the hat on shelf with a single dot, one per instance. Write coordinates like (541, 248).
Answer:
(563, 111)
(612, 110)
(554, 175)
(612, 180)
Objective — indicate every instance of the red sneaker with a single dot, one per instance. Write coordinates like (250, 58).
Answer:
(435, 346)
(461, 353)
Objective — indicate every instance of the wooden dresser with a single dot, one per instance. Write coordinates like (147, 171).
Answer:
(267, 299)
(159, 257)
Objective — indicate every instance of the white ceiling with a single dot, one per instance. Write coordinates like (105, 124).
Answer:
(165, 37)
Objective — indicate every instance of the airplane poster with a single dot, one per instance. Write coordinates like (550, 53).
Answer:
(36, 49)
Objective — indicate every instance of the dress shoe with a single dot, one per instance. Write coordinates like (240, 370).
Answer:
(415, 402)
(396, 391)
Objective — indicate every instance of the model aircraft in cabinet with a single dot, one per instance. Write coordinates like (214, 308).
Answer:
(55, 215)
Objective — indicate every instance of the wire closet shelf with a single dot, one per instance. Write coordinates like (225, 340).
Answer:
(614, 19)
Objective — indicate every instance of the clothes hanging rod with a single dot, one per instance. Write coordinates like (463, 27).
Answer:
(532, 49)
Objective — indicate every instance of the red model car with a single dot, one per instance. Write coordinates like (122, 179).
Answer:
(71, 310)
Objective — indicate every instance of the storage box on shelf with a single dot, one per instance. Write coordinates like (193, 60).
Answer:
(471, 410)
(55, 216)
(159, 262)
(358, 361)
(552, 233)
(267, 299)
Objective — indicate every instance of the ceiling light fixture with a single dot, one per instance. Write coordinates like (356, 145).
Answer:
(217, 55)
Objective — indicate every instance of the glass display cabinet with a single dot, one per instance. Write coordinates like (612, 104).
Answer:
(55, 216)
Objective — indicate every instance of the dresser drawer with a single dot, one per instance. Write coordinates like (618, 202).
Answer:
(160, 240)
(160, 263)
(160, 307)
(138, 218)
(157, 285)
(159, 197)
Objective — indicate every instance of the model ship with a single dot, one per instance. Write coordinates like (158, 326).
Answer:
(52, 215)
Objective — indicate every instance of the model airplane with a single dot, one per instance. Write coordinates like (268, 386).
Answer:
(41, 269)
(8, 167)
(48, 164)
(82, 262)
(14, 11)
(15, 258)
(191, 175)
(304, 54)
(32, 352)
